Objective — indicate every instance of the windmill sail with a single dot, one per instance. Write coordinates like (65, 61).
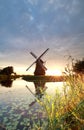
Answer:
(30, 66)
(43, 53)
(40, 68)
(33, 55)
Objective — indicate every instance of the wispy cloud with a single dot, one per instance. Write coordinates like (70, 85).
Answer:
(32, 2)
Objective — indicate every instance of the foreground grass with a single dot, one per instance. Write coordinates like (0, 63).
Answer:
(65, 111)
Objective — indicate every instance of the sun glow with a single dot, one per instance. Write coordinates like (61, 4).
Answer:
(55, 72)
(22, 70)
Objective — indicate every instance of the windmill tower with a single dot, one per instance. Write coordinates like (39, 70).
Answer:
(40, 69)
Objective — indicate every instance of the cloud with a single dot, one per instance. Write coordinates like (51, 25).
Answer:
(32, 2)
(38, 24)
(33, 18)
(51, 1)
(27, 17)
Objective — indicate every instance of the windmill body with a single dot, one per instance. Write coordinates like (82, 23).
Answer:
(40, 69)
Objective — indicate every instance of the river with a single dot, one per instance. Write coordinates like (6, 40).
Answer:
(19, 109)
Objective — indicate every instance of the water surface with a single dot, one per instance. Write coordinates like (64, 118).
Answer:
(19, 109)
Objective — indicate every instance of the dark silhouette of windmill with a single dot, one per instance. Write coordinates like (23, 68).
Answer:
(40, 68)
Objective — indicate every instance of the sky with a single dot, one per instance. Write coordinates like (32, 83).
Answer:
(35, 25)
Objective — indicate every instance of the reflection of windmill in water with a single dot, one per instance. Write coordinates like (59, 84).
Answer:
(40, 88)
(40, 68)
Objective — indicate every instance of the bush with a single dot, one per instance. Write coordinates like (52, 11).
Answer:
(7, 70)
(78, 66)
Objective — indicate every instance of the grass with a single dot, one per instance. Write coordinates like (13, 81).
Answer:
(65, 111)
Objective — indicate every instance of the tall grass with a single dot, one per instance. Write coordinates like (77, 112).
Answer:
(65, 111)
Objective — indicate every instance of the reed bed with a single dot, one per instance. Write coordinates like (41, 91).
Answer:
(65, 111)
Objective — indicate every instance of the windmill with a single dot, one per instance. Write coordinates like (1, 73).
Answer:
(40, 69)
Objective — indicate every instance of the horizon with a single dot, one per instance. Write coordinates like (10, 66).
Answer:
(22, 71)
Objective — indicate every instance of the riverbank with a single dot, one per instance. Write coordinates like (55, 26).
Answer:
(7, 77)
(32, 78)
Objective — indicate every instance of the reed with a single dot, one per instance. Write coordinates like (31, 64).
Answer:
(65, 111)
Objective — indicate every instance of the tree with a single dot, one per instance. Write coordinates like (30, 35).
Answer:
(7, 70)
(78, 66)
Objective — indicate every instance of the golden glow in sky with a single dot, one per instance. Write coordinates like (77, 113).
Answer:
(22, 70)
(54, 72)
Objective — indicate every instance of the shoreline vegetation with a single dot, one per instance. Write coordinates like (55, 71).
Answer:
(8, 77)
(31, 78)
(8, 73)
(46, 78)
